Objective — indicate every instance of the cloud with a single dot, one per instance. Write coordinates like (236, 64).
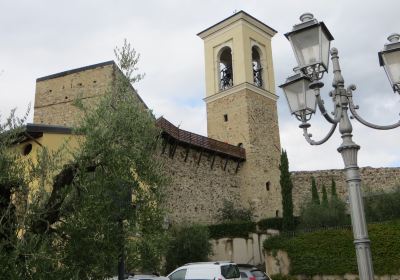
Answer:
(39, 38)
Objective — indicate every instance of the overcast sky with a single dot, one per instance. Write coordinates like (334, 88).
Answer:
(38, 38)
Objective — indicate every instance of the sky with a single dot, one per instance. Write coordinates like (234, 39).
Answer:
(42, 37)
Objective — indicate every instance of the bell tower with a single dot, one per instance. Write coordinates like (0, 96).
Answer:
(241, 104)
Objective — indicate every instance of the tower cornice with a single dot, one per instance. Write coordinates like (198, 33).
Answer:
(240, 88)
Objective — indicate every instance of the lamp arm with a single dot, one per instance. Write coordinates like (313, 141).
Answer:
(308, 136)
(321, 107)
(353, 110)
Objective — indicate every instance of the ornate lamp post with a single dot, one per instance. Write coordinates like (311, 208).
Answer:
(310, 41)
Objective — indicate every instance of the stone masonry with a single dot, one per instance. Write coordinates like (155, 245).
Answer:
(252, 121)
(373, 180)
(243, 115)
(55, 94)
(198, 188)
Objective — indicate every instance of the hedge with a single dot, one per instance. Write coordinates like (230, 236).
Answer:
(332, 252)
(275, 223)
(242, 229)
(232, 229)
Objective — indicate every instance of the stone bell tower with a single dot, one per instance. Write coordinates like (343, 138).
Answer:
(241, 104)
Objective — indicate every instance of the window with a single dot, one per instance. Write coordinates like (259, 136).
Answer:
(27, 149)
(179, 275)
(225, 69)
(230, 271)
(257, 273)
(267, 185)
(257, 68)
(277, 213)
(225, 117)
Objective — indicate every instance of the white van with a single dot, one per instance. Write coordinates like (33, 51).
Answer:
(206, 271)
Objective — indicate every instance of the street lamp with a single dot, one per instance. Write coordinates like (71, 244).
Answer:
(310, 41)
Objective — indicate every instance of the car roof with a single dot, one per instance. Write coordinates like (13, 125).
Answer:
(208, 263)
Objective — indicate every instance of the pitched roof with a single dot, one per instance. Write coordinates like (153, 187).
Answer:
(201, 142)
(235, 17)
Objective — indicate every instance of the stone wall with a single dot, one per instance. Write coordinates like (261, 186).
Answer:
(251, 120)
(373, 180)
(197, 187)
(55, 94)
(241, 250)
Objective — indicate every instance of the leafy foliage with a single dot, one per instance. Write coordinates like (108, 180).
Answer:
(232, 229)
(229, 212)
(324, 196)
(382, 206)
(89, 201)
(324, 215)
(331, 252)
(333, 188)
(275, 223)
(314, 192)
(286, 191)
(188, 244)
(282, 277)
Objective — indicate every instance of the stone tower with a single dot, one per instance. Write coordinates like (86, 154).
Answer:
(241, 104)
(55, 94)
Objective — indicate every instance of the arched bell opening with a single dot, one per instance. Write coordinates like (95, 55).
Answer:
(225, 68)
(257, 66)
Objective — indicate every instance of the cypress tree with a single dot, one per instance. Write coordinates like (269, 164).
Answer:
(286, 191)
(333, 189)
(324, 196)
(314, 192)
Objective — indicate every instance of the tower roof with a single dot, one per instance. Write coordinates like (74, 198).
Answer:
(241, 15)
(76, 70)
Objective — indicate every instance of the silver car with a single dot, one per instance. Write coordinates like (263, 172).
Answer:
(250, 272)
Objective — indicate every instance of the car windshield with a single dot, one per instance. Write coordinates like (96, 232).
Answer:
(230, 271)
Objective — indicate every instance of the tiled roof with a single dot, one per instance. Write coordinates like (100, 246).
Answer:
(200, 141)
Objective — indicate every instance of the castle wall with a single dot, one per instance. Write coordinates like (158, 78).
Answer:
(373, 180)
(252, 121)
(55, 94)
(196, 191)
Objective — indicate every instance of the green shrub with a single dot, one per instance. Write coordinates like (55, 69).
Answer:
(232, 229)
(324, 215)
(229, 212)
(188, 244)
(275, 223)
(286, 192)
(382, 206)
(314, 192)
(282, 277)
(270, 223)
(332, 252)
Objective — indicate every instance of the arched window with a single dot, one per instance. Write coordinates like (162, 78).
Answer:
(257, 67)
(225, 68)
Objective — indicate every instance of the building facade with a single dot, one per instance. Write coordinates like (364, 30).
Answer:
(238, 160)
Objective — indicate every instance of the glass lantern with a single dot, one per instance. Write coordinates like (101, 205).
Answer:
(301, 99)
(310, 41)
(389, 58)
